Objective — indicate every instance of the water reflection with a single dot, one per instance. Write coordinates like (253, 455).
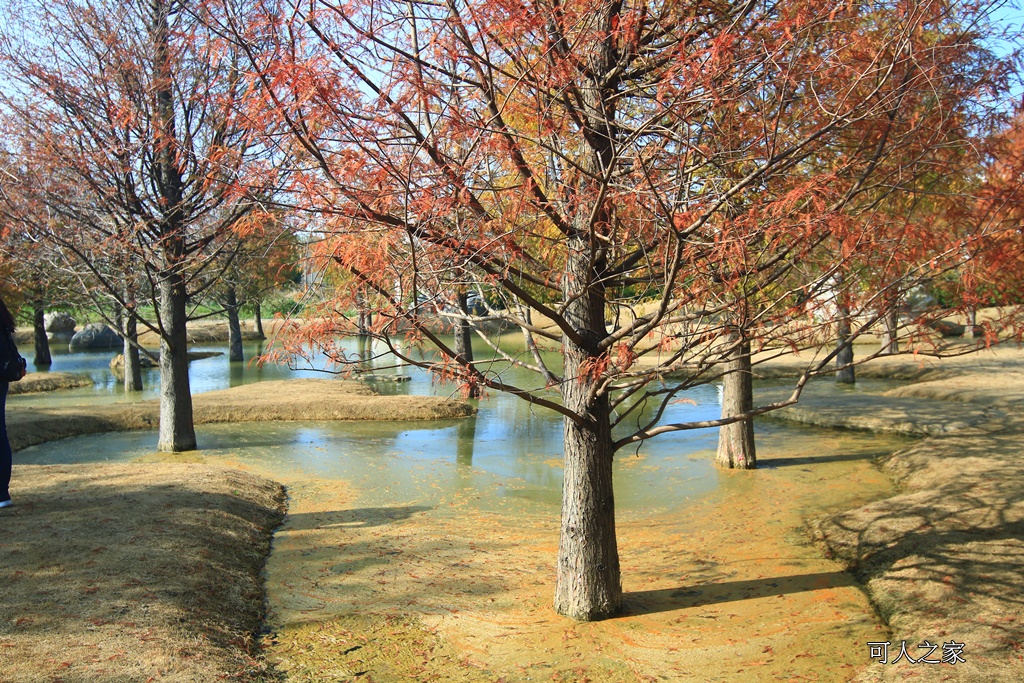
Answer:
(465, 441)
(510, 451)
(404, 463)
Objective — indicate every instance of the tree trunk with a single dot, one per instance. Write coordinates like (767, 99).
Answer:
(364, 351)
(132, 364)
(235, 352)
(890, 340)
(588, 582)
(42, 358)
(844, 347)
(177, 431)
(736, 441)
(972, 321)
(363, 318)
(257, 319)
(464, 337)
(844, 359)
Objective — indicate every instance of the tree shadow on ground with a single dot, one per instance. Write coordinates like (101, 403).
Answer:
(926, 530)
(806, 461)
(946, 559)
(684, 597)
(878, 413)
(357, 517)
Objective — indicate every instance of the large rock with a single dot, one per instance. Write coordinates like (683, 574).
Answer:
(60, 326)
(59, 322)
(948, 328)
(95, 336)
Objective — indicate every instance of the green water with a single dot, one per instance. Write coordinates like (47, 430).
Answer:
(508, 454)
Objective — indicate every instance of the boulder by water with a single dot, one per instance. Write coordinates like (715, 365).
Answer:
(59, 322)
(947, 328)
(385, 378)
(60, 326)
(95, 336)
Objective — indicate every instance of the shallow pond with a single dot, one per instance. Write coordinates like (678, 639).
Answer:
(205, 374)
(509, 450)
(440, 537)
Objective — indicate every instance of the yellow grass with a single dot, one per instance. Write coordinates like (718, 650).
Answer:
(35, 382)
(134, 573)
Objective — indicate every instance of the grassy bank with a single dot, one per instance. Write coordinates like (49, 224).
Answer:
(36, 382)
(153, 571)
(135, 573)
(301, 399)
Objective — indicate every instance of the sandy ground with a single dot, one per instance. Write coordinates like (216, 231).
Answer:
(213, 330)
(943, 560)
(725, 590)
(728, 589)
(720, 591)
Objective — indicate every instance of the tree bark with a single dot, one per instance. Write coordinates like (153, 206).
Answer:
(42, 358)
(844, 358)
(132, 364)
(972, 321)
(235, 352)
(844, 348)
(177, 431)
(736, 448)
(257, 319)
(364, 352)
(890, 340)
(464, 336)
(588, 582)
(363, 318)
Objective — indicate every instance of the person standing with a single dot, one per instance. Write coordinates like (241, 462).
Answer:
(8, 350)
